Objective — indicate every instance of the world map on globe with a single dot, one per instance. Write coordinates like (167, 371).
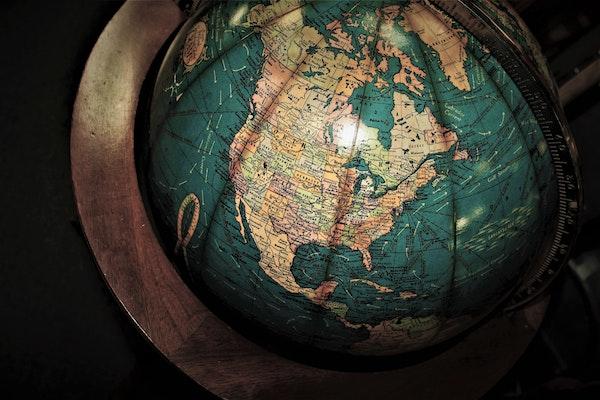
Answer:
(357, 176)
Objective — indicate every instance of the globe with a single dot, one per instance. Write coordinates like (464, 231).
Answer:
(362, 177)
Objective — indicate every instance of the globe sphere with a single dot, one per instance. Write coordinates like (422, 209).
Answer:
(363, 177)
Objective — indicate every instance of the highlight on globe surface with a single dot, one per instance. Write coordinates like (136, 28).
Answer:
(364, 177)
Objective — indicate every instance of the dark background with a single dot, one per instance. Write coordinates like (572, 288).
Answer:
(63, 336)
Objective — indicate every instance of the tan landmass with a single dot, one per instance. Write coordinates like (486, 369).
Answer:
(379, 288)
(409, 74)
(194, 46)
(435, 29)
(392, 336)
(289, 161)
(405, 295)
(341, 39)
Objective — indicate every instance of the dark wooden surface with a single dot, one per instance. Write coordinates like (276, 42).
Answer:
(164, 309)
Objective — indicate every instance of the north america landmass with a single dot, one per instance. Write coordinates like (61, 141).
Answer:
(296, 162)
